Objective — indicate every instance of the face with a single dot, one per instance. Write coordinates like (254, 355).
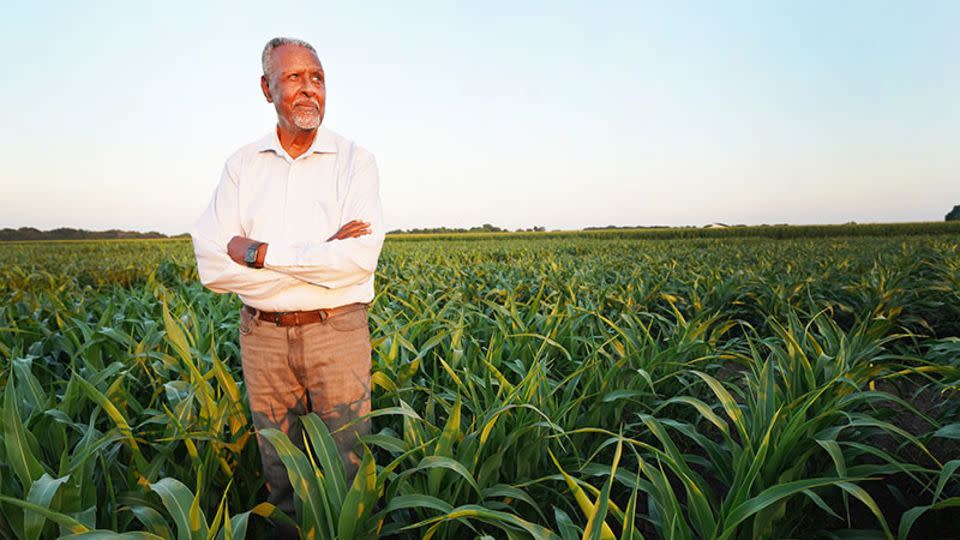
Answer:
(296, 88)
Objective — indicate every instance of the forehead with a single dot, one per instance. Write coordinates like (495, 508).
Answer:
(295, 58)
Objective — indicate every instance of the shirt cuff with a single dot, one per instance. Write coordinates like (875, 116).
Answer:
(281, 254)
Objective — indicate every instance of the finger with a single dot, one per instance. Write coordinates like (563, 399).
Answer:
(342, 235)
(356, 229)
(354, 224)
(346, 236)
(350, 228)
(353, 233)
(356, 234)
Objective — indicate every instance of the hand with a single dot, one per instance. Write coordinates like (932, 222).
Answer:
(352, 229)
(237, 248)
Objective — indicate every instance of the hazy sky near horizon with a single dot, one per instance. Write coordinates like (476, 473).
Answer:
(560, 114)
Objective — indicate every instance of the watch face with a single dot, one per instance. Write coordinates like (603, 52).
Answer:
(250, 256)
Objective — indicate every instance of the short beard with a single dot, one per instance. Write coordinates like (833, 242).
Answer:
(306, 120)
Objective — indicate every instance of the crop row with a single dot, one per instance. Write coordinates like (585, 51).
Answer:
(548, 388)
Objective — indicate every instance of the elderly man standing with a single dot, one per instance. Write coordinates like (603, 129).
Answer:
(295, 229)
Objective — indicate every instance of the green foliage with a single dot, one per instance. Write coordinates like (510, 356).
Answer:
(558, 386)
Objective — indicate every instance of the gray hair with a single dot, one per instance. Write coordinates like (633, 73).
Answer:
(266, 59)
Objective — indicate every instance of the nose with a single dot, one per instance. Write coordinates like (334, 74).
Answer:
(311, 88)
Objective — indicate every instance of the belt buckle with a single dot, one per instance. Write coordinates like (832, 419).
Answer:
(277, 317)
(324, 314)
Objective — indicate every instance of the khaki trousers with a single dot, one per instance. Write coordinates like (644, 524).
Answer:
(289, 371)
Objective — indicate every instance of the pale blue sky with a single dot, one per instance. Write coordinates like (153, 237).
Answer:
(515, 113)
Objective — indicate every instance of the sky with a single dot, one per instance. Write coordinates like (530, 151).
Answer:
(520, 114)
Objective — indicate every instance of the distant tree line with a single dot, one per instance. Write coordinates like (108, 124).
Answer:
(486, 227)
(614, 227)
(66, 233)
(954, 214)
(780, 231)
(662, 231)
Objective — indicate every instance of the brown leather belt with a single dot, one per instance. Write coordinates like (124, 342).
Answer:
(297, 318)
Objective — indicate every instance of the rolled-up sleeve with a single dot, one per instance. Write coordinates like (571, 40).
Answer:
(211, 233)
(339, 263)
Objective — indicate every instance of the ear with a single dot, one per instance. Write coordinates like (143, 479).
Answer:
(265, 86)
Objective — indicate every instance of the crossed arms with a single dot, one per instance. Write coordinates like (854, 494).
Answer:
(238, 245)
(349, 257)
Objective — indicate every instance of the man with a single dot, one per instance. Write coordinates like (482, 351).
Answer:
(295, 229)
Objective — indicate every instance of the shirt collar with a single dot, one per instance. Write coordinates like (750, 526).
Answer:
(323, 143)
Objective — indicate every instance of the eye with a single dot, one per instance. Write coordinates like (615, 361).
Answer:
(293, 76)
(318, 78)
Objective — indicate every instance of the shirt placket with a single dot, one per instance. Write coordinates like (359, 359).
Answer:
(287, 194)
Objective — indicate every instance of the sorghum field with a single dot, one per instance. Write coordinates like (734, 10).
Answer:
(548, 386)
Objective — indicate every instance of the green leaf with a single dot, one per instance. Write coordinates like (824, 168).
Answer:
(325, 448)
(698, 505)
(175, 335)
(221, 517)
(836, 455)
(418, 500)
(71, 524)
(630, 531)
(820, 502)
(431, 462)
(178, 500)
(235, 528)
(730, 405)
(41, 493)
(110, 535)
(768, 497)
(272, 513)
(112, 411)
(704, 411)
(304, 481)
(504, 490)
(152, 520)
(19, 455)
(32, 391)
(568, 530)
(444, 448)
(910, 516)
(596, 524)
(504, 520)
(358, 503)
(949, 469)
(586, 505)
(868, 501)
(950, 431)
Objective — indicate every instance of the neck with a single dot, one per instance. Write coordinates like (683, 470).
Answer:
(295, 141)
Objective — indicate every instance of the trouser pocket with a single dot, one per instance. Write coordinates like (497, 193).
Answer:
(248, 321)
(350, 321)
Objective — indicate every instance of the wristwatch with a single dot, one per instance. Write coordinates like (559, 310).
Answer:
(250, 257)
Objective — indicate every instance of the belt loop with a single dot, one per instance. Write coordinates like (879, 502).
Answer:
(253, 312)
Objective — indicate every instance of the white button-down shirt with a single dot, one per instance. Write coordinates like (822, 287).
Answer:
(294, 205)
